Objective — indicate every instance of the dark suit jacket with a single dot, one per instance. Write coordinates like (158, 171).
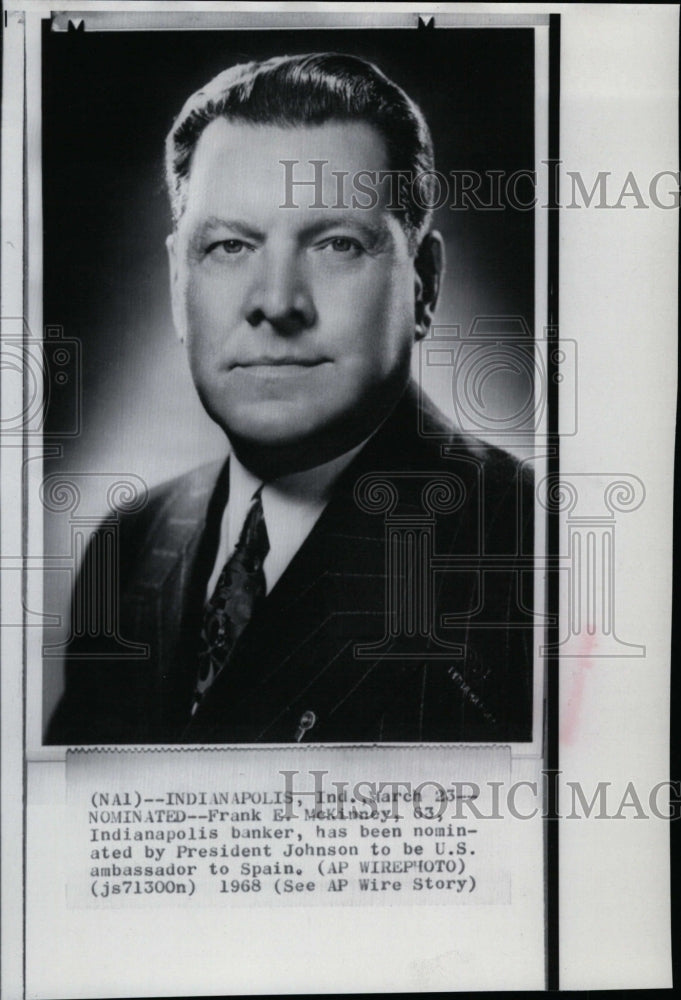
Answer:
(405, 615)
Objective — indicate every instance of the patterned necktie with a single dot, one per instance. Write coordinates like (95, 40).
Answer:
(239, 591)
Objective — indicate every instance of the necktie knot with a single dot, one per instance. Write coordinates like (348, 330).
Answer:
(253, 544)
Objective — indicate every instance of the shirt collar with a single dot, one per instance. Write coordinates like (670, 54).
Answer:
(291, 506)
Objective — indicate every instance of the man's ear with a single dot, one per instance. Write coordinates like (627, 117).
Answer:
(429, 265)
(175, 292)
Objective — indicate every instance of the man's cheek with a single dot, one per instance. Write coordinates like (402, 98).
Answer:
(206, 302)
(207, 317)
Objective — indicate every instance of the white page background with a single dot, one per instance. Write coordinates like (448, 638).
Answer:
(618, 293)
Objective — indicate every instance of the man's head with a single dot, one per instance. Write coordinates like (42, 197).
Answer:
(299, 322)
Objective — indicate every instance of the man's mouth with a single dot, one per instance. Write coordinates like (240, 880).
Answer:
(287, 362)
(278, 367)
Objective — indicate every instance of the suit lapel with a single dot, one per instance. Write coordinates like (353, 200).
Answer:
(165, 599)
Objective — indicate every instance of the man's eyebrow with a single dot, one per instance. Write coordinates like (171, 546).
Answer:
(375, 233)
(213, 222)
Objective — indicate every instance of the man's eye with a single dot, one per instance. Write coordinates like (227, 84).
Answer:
(343, 245)
(231, 247)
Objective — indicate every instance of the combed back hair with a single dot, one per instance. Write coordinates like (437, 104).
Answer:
(311, 89)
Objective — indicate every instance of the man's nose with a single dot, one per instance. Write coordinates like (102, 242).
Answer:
(281, 296)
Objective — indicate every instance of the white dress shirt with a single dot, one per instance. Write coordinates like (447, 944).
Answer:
(291, 506)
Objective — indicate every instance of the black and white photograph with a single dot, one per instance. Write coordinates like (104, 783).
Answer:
(321, 241)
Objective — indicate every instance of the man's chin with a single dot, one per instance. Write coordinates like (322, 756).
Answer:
(274, 449)
(281, 437)
(270, 430)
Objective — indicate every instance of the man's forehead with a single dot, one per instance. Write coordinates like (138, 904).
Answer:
(242, 164)
(354, 145)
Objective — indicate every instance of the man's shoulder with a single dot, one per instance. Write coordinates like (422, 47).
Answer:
(184, 499)
(187, 489)
(440, 443)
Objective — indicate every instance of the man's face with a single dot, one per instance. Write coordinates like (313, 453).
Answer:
(299, 322)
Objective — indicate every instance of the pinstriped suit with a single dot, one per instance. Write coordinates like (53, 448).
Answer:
(338, 635)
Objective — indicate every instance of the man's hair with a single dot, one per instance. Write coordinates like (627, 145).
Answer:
(311, 89)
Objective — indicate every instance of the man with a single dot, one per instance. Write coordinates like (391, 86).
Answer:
(324, 583)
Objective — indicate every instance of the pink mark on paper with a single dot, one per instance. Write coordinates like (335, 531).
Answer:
(576, 695)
